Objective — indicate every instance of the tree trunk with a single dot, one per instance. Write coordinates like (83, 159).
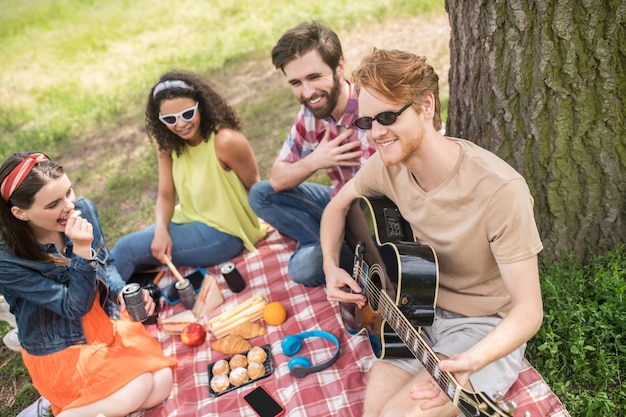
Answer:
(542, 84)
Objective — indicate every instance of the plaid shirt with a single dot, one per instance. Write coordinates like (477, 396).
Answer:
(307, 132)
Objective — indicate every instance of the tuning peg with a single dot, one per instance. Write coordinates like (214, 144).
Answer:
(509, 406)
(512, 406)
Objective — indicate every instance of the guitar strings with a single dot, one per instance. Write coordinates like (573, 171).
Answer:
(373, 292)
(403, 324)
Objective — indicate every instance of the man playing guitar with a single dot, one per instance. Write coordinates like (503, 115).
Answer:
(474, 210)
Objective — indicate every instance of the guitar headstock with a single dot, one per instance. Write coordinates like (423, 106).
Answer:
(479, 404)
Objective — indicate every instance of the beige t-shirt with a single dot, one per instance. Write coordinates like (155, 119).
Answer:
(481, 215)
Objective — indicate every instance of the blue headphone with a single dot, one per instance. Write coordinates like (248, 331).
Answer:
(300, 366)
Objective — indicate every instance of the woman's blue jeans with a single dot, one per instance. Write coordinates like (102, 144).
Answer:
(193, 244)
(297, 213)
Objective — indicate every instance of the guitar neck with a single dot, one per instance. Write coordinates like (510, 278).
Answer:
(418, 346)
(390, 233)
(472, 404)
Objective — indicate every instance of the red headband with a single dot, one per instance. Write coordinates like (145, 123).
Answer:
(15, 178)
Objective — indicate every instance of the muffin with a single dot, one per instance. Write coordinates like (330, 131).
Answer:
(256, 370)
(238, 361)
(221, 367)
(220, 383)
(257, 354)
(238, 376)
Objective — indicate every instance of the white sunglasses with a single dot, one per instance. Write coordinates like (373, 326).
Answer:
(186, 115)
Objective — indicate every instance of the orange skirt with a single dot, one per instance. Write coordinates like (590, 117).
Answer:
(117, 351)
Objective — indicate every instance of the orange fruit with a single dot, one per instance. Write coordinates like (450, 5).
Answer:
(274, 313)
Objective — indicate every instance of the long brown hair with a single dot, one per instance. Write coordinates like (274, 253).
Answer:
(17, 237)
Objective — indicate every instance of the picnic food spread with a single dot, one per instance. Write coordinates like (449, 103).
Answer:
(238, 370)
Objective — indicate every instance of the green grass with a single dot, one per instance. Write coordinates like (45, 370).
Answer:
(76, 70)
(71, 66)
(581, 348)
(73, 73)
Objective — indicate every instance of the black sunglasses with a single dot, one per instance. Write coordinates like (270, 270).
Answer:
(385, 118)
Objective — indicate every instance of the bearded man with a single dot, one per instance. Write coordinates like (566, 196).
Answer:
(321, 138)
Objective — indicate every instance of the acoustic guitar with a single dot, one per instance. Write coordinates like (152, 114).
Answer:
(399, 277)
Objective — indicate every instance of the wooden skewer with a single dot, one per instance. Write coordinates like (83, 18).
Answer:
(172, 268)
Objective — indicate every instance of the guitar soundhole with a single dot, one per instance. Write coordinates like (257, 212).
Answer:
(375, 280)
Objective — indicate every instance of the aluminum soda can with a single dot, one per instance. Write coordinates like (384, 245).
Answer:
(232, 277)
(133, 297)
(187, 293)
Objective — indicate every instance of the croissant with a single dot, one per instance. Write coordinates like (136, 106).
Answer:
(249, 330)
(231, 344)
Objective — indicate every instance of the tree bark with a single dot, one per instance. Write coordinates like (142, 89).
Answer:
(542, 85)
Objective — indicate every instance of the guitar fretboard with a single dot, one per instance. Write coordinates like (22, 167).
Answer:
(371, 279)
(416, 344)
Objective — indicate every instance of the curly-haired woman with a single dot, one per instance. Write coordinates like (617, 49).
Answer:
(206, 167)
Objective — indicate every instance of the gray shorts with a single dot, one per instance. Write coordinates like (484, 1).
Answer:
(452, 333)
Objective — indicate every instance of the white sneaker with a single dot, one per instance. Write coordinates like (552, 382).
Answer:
(37, 409)
(12, 341)
(5, 313)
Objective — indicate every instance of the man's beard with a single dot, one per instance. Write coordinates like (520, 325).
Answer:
(332, 98)
(408, 148)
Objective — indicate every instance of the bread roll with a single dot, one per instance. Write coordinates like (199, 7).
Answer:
(256, 370)
(220, 383)
(221, 367)
(257, 354)
(238, 361)
(238, 376)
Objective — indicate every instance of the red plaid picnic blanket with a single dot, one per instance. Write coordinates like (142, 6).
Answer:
(337, 391)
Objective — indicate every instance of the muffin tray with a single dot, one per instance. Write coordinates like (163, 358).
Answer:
(269, 369)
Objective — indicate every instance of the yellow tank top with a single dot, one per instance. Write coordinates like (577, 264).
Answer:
(209, 194)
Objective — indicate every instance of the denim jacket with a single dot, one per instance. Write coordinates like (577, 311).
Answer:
(49, 301)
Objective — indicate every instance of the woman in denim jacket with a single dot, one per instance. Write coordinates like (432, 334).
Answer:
(56, 275)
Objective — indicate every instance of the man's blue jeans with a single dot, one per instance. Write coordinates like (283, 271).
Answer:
(297, 213)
